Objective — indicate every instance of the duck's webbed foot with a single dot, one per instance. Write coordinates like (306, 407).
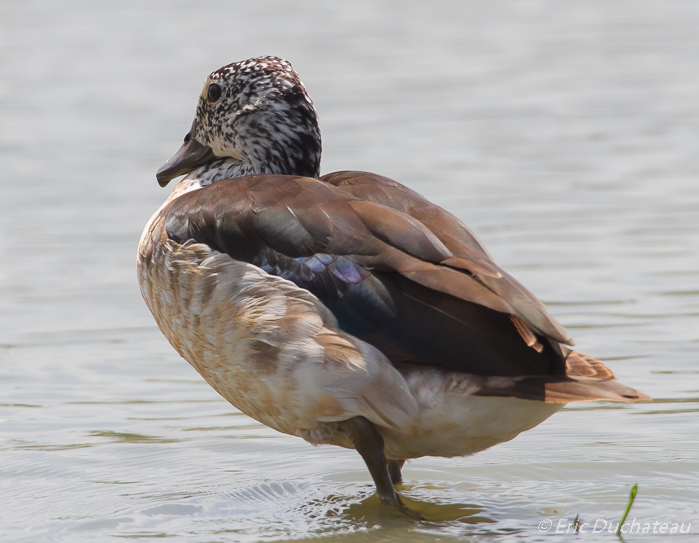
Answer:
(369, 444)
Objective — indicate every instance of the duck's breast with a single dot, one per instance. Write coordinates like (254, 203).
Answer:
(267, 346)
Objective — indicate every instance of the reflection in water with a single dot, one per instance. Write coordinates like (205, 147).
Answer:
(374, 512)
(125, 437)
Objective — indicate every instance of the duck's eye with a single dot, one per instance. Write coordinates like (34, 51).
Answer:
(214, 92)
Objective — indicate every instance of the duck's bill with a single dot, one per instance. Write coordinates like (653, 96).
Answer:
(191, 155)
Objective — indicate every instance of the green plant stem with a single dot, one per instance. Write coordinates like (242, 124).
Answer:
(632, 497)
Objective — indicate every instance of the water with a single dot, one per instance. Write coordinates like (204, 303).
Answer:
(565, 134)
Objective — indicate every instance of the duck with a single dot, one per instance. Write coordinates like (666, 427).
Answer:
(344, 309)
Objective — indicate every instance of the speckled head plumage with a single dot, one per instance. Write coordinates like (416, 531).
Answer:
(253, 117)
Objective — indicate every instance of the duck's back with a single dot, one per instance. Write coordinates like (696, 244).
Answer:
(388, 278)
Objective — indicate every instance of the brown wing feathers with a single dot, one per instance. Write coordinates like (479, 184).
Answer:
(441, 317)
(468, 252)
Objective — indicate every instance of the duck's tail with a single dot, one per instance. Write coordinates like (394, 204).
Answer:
(586, 379)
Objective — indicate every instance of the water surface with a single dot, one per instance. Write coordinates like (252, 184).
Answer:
(565, 135)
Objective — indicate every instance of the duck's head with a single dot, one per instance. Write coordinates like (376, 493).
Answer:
(253, 117)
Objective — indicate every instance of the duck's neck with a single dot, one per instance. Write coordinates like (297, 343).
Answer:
(223, 168)
(298, 156)
(218, 170)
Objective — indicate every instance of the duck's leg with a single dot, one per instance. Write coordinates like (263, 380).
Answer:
(369, 444)
(394, 467)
